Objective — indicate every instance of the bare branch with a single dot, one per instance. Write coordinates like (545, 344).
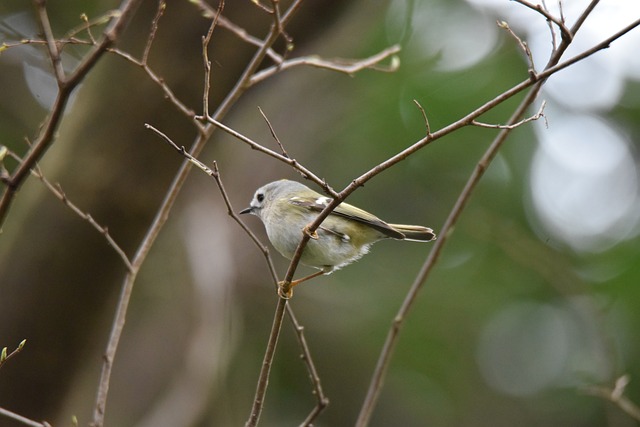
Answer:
(536, 116)
(88, 24)
(267, 361)
(60, 195)
(616, 396)
(552, 31)
(209, 12)
(567, 35)
(23, 420)
(322, 400)
(162, 5)
(523, 45)
(4, 356)
(204, 168)
(425, 118)
(306, 173)
(273, 133)
(205, 57)
(349, 67)
(54, 53)
(168, 93)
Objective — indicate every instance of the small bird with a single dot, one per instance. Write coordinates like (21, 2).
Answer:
(287, 207)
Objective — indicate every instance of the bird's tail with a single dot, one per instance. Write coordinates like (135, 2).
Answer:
(415, 233)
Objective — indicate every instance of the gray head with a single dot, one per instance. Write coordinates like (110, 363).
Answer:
(266, 194)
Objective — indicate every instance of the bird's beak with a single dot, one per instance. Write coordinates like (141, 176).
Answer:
(246, 211)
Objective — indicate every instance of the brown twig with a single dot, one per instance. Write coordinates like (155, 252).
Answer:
(616, 396)
(424, 117)
(349, 67)
(267, 361)
(205, 57)
(54, 52)
(523, 45)
(322, 401)
(567, 35)
(60, 195)
(536, 116)
(162, 5)
(306, 173)
(209, 11)
(4, 356)
(277, 20)
(23, 420)
(87, 25)
(273, 133)
(168, 93)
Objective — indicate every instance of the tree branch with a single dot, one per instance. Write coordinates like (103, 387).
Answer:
(23, 420)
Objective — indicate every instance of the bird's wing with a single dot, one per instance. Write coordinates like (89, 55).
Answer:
(347, 211)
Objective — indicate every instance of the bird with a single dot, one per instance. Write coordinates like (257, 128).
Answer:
(287, 207)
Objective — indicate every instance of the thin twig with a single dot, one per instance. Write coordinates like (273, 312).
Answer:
(54, 52)
(536, 116)
(322, 401)
(23, 420)
(616, 396)
(523, 45)
(62, 42)
(306, 173)
(60, 195)
(349, 67)
(424, 117)
(209, 11)
(205, 57)
(4, 356)
(567, 35)
(277, 19)
(87, 25)
(552, 31)
(267, 361)
(168, 93)
(204, 168)
(154, 29)
(273, 133)
(384, 359)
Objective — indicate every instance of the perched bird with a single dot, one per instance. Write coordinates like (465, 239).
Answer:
(287, 207)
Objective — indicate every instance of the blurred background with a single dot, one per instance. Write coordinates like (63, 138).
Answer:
(534, 299)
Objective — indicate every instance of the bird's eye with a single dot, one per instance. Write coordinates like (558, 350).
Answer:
(260, 197)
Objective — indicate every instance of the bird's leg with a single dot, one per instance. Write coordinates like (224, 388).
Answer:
(286, 294)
